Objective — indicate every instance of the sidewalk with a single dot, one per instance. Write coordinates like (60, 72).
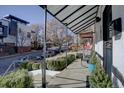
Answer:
(72, 77)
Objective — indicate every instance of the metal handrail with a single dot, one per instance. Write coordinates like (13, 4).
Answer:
(7, 70)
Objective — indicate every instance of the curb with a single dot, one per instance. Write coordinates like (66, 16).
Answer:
(18, 54)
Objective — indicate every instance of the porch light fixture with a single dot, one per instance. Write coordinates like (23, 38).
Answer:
(98, 19)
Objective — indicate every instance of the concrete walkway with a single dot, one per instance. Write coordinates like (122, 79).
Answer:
(72, 77)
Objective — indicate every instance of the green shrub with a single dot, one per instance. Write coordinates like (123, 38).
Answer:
(50, 64)
(79, 55)
(18, 79)
(35, 66)
(24, 65)
(70, 58)
(29, 66)
(99, 79)
(60, 63)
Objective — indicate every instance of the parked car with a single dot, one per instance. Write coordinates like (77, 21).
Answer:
(39, 57)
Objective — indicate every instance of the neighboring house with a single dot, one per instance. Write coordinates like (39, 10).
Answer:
(110, 41)
(16, 37)
(4, 29)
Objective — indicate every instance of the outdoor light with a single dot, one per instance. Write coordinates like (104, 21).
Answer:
(98, 19)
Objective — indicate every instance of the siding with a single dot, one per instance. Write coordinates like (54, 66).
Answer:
(118, 45)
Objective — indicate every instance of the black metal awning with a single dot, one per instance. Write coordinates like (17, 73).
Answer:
(76, 17)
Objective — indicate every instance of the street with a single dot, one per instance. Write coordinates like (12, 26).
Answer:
(5, 62)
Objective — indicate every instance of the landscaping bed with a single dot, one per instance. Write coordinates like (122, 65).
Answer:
(54, 64)
(30, 65)
(18, 79)
(60, 63)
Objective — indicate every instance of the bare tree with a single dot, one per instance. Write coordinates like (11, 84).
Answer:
(56, 33)
(22, 37)
(36, 39)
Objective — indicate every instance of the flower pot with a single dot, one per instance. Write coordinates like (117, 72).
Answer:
(91, 67)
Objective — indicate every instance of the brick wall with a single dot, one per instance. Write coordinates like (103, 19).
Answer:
(9, 49)
(24, 49)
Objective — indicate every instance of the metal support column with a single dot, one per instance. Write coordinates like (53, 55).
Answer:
(77, 43)
(44, 51)
(66, 45)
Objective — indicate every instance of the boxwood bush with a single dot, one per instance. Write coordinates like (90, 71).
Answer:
(35, 66)
(24, 65)
(70, 58)
(57, 65)
(30, 66)
(79, 55)
(60, 63)
(18, 79)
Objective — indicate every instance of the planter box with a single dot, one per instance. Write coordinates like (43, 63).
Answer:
(91, 67)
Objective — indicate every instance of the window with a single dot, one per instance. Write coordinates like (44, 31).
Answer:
(28, 34)
(1, 30)
(13, 28)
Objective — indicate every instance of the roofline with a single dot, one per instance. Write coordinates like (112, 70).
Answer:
(16, 18)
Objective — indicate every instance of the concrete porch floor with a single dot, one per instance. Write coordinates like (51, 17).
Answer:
(74, 76)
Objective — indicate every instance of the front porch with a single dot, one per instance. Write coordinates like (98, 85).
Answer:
(74, 76)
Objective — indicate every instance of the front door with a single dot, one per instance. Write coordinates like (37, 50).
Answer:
(107, 39)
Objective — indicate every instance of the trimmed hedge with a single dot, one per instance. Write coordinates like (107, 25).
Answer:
(30, 66)
(79, 55)
(18, 79)
(60, 63)
(70, 58)
(24, 65)
(57, 65)
(35, 66)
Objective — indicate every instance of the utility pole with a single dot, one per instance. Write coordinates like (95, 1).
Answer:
(44, 50)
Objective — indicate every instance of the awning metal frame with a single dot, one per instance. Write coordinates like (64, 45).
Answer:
(83, 20)
(73, 13)
(77, 17)
(84, 23)
(82, 14)
(42, 6)
(84, 26)
(88, 25)
(61, 10)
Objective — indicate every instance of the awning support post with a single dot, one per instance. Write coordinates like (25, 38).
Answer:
(44, 50)
(66, 45)
(77, 43)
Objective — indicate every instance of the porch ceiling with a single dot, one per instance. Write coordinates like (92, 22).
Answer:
(76, 17)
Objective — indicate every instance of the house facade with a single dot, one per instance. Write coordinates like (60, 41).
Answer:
(109, 41)
(15, 35)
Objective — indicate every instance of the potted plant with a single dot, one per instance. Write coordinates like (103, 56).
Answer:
(92, 63)
(98, 78)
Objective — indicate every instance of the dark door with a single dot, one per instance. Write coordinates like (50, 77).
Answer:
(107, 39)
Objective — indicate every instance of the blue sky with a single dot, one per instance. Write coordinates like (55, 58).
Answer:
(31, 13)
